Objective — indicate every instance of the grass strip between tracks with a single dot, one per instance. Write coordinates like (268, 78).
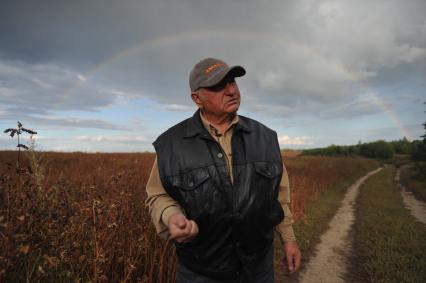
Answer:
(389, 244)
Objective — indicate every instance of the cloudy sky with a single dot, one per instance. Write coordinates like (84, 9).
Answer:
(94, 75)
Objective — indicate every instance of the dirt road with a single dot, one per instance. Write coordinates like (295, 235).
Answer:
(329, 262)
(415, 206)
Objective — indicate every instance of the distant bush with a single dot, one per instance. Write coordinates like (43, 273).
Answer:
(403, 146)
(419, 151)
(334, 150)
(378, 149)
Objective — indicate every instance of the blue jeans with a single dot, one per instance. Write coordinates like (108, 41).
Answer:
(263, 273)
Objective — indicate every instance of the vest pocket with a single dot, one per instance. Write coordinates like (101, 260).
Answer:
(265, 187)
(268, 170)
(193, 179)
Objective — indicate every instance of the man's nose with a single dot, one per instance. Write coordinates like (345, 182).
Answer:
(231, 88)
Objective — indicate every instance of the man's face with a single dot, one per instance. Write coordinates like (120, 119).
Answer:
(220, 100)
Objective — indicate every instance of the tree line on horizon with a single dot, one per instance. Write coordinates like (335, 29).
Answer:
(377, 149)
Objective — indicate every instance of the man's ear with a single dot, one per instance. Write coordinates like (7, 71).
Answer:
(196, 98)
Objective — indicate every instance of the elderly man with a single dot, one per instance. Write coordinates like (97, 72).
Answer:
(218, 187)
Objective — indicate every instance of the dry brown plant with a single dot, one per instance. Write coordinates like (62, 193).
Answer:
(19, 130)
(85, 220)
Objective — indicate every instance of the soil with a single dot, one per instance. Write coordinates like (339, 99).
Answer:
(329, 262)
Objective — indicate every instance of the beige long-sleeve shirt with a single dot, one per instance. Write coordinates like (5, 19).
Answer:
(162, 206)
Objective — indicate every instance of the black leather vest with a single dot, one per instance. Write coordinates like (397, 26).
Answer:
(236, 221)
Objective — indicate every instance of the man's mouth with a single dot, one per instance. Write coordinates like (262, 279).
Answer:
(232, 101)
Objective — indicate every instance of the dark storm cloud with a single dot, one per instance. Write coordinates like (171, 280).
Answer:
(318, 54)
(43, 31)
(82, 30)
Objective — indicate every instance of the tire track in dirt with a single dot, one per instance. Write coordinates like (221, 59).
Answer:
(416, 207)
(329, 262)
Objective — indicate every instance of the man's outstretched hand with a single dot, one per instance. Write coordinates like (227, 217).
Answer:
(293, 256)
(181, 229)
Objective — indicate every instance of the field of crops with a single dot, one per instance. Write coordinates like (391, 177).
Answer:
(79, 217)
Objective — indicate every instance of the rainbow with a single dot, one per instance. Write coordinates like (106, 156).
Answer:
(235, 35)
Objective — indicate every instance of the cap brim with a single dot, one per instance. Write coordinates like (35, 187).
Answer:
(234, 71)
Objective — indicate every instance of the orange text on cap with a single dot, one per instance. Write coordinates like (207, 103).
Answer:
(212, 67)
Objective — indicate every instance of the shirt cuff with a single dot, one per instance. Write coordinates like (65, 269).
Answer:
(169, 211)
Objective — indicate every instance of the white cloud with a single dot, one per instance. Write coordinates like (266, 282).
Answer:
(179, 107)
(409, 54)
(35, 120)
(50, 87)
(272, 80)
(124, 139)
(41, 83)
(286, 140)
(63, 148)
(368, 35)
(81, 78)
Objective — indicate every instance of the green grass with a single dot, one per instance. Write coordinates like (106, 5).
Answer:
(389, 244)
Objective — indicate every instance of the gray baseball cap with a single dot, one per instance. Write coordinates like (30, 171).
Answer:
(210, 71)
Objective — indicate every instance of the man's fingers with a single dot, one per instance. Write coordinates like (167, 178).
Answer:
(191, 231)
(181, 222)
(194, 228)
(184, 235)
(293, 256)
(188, 227)
(181, 229)
(298, 261)
(178, 232)
(290, 263)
